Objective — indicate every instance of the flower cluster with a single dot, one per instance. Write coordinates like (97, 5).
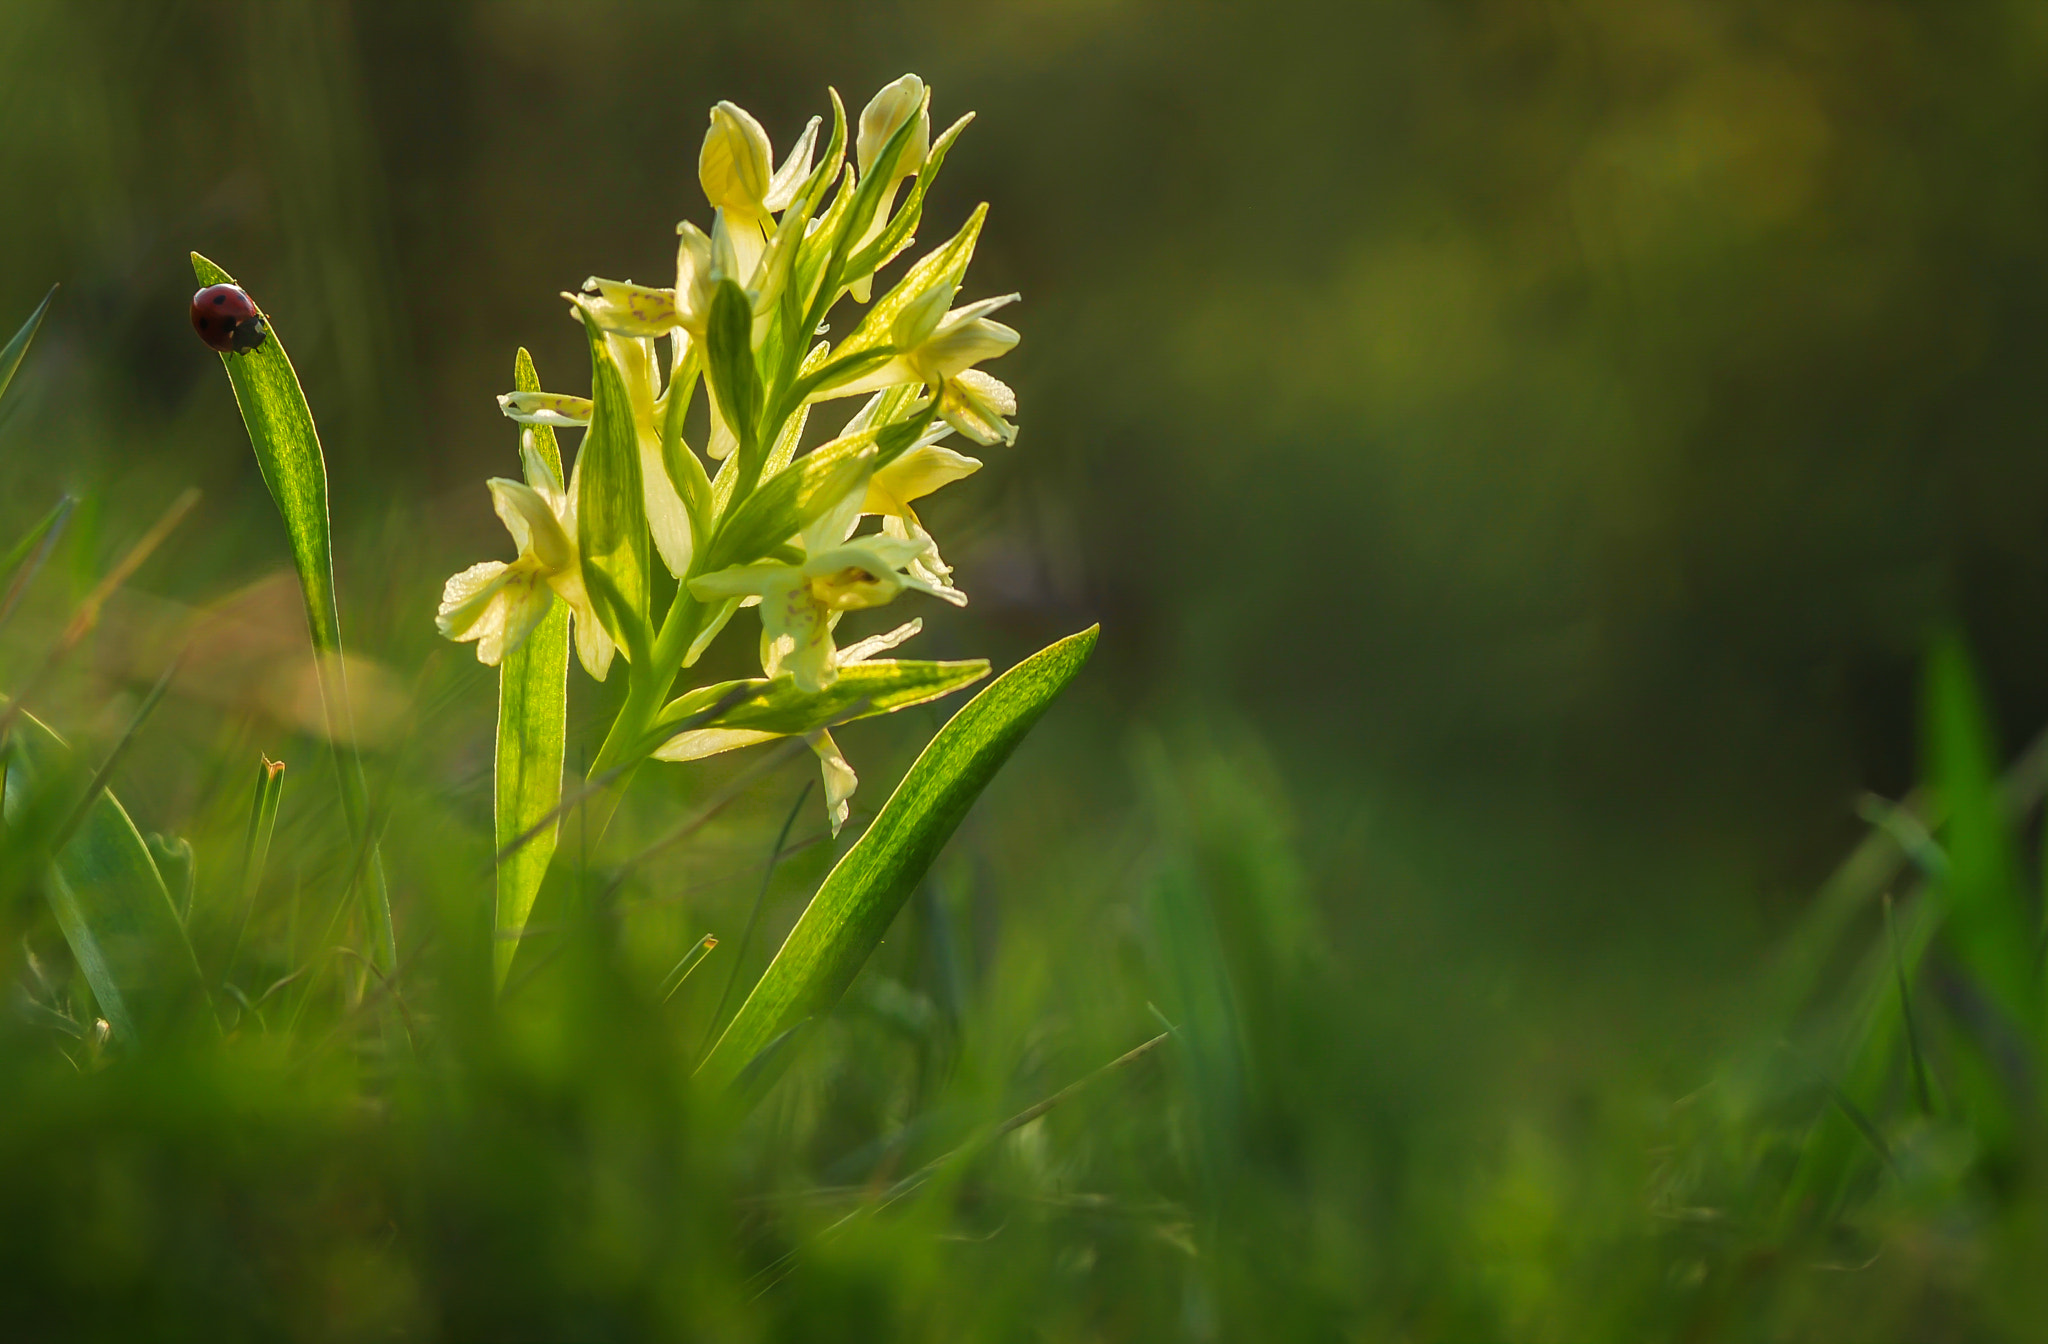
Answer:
(747, 518)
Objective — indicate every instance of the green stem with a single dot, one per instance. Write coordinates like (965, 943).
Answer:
(646, 692)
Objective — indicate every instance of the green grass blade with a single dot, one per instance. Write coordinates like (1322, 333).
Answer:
(533, 709)
(100, 777)
(1922, 1093)
(854, 907)
(11, 357)
(288, 453)
(673, 981)
(34, 536)
(110, 901)
(1988, 921)
(263, 803)
(732, 978)
(26, 560)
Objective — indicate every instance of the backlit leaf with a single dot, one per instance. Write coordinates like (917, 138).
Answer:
(853, 909)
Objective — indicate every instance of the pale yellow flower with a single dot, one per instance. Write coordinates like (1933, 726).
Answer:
(939, 347)
(920, 471)
(839, 778)
(801, 601)
(734, 168)
(639, 370)
(496, 605)
(884, 115)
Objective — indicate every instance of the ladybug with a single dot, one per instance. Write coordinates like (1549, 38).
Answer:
(226, 319)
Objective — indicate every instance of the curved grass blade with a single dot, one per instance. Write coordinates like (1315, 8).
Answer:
(533, 708)
(732, 978)
(109, 899)
(1989, 922)
(288, 453)
(26, 560)
(11, 357)
(673, 981)
(854, 907)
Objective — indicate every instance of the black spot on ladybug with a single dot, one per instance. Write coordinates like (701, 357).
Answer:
(226, 319)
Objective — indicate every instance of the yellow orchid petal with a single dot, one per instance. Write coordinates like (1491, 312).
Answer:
(546, 408)
(467, 597)
(534, 527)
(975, 403)
(782, 187)
(914, 475)
(629, 309)
(840, 781)
(733, 165)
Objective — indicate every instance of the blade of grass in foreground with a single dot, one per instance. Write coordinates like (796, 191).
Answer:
(533, 707)
(109, 898)
(854, 907)
(10, 358)
(288, 452)
(263, 803)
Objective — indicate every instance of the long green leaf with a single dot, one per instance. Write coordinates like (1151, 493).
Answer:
(533, 708)
(862, 690)
(109, 898)
(10, 358)
(854, 907)
(288, 453)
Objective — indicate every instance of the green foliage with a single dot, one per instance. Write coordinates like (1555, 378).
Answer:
(109, 899)
(853, 909)
(789, 502)
(944, 266)
(1522, 446)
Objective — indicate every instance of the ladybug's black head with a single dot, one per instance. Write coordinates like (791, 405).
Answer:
(225, 317)
(248, 335)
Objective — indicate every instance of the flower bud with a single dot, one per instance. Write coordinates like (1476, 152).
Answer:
(921, 317)
(734, 165)
(885, 112)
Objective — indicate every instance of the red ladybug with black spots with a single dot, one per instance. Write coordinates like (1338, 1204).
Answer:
(226, 319)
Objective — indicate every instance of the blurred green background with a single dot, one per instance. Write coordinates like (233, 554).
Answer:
(1517, 451)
